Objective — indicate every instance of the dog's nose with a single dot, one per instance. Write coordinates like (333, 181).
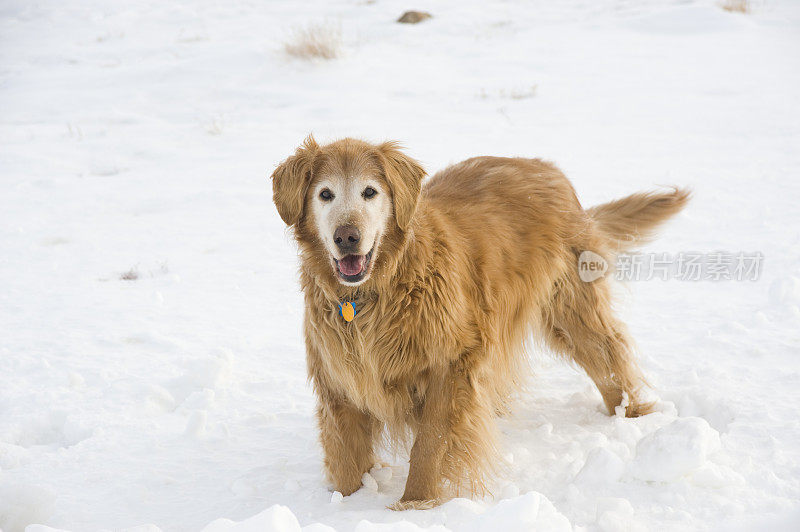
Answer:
(347, 237)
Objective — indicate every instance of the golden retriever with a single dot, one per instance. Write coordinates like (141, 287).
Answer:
(447, 279)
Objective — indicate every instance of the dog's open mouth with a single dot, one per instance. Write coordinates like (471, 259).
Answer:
(353, 268)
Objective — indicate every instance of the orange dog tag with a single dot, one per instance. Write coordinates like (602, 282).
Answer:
(348, 311)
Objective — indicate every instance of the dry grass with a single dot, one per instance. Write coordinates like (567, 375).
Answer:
(522, 93)
(414, 17)
(135, 274)
(319, 41)
(216, 126)
(736, 6)
(130, 275)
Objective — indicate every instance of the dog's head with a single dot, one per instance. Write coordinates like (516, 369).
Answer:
(344, 198)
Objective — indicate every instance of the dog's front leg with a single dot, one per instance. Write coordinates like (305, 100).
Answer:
(454, 439)
(347, 435)
(424, 484)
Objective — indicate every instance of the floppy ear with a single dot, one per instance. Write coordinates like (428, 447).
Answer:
(404, 176)
(290, 181)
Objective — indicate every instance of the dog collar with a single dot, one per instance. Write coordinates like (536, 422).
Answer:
(347, 310)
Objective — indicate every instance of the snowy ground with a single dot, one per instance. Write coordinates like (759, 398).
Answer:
(138, 137)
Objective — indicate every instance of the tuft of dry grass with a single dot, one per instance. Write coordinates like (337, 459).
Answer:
(316, 41)
(414, 17)
(510, 94)
(216, 126)
(736, 6)
(130, 275)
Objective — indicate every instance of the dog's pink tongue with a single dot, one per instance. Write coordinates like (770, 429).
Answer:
(352, 264)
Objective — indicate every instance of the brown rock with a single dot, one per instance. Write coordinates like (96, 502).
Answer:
(413, 17)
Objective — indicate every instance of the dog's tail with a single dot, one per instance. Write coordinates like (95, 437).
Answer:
(632, 220)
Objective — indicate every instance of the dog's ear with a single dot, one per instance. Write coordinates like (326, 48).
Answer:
(404, 176)
(290, 181)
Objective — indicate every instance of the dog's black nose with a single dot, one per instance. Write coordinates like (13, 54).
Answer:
(347, 237)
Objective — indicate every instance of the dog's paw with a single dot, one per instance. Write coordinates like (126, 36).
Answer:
(639, 409)
(402, 505)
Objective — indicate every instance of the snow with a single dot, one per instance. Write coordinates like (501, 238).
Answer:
(675, 450)
(151, 360)
(275, 519)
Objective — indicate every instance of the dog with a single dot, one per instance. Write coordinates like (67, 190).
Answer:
(419, 299)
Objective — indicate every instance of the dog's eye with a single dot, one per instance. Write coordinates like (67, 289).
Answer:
(326, 195)
(369, 192)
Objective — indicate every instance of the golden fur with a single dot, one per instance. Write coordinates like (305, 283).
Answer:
(470, 265)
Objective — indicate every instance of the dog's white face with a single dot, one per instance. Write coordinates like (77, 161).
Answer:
(351, 214)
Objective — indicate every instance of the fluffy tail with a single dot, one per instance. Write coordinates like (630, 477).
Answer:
(632, 220)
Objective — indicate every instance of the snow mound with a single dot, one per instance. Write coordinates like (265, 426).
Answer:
(531, 511)
(276, 518)
(601, 466)
(21, 504)
(399, 526)
(615, 514)
(675, 450)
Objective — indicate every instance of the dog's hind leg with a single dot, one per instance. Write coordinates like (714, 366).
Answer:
(579, 323)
